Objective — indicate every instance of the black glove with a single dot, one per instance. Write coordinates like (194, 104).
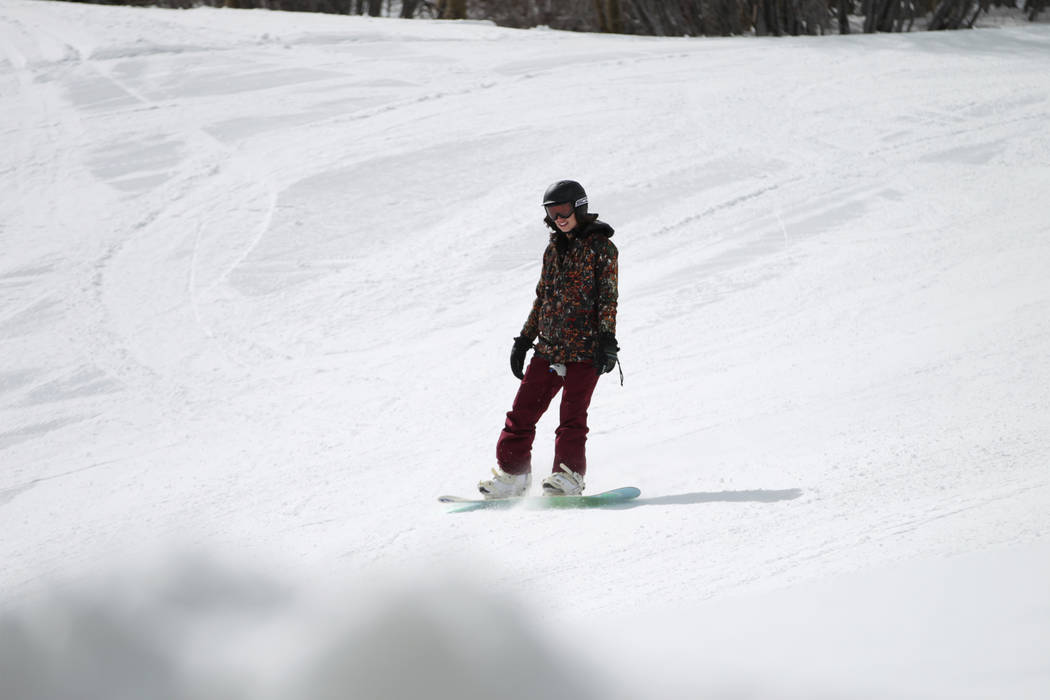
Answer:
(517, 356)
(607, 349)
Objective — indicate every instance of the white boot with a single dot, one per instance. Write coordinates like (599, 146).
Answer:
(505, 485)
(563, 483)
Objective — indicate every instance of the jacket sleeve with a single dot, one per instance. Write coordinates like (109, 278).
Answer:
(608, 287)
(531, 329)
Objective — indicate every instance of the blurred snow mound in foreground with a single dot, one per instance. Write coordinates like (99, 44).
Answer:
(203, 631)
(962, 627)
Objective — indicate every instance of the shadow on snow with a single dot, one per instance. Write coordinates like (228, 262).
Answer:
(688, 499)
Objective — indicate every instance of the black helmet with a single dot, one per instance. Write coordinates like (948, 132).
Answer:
(567, 191)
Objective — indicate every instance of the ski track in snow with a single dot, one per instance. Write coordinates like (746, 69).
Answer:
(260, 274)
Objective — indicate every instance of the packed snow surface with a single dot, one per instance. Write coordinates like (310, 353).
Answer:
(260, 274)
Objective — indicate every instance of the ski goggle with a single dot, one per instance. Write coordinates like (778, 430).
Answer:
(560, 211)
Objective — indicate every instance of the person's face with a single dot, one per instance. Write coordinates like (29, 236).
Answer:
(564, 216)
(566, 225)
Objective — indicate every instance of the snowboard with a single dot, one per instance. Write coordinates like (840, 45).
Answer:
(594, 500)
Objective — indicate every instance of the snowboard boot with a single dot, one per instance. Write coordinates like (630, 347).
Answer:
(563, 483)
(504, 485)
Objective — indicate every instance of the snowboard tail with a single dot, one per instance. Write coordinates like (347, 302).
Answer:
(595, 500)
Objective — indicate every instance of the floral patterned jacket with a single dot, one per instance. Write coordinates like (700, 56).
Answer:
(576, 296)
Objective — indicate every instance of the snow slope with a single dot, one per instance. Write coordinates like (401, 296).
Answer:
(260, 273)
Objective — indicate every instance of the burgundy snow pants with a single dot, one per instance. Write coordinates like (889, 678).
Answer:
(539, 387)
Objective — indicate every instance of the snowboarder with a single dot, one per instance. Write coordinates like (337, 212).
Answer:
(574, 321)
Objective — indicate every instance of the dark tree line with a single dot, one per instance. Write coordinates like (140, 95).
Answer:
(660, 17)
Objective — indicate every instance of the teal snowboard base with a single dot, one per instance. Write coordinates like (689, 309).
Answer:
(595, 500)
